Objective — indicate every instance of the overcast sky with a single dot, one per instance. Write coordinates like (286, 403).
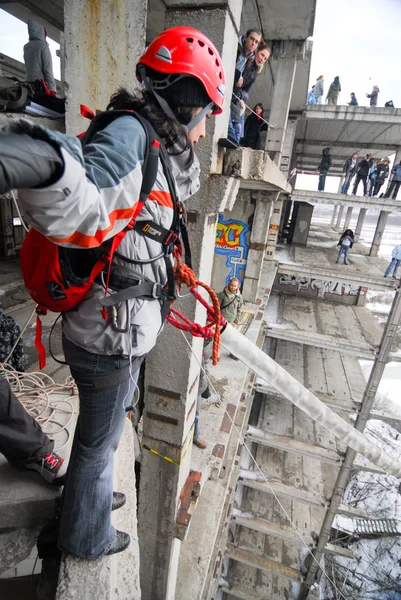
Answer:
(358, 40)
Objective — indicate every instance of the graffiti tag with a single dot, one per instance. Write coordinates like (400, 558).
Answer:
(231, 242)
(323, 287)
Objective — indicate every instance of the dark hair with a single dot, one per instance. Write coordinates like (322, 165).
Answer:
(167, 129)
(258, 104)
(253, 30)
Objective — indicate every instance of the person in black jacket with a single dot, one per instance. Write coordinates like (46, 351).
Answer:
(323, 167)
(345, 242)
(253, 126)
(242, 85)
(349, 170)
(362, 174)
(382, 171)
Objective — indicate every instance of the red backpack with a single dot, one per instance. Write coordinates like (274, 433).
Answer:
(59, 278)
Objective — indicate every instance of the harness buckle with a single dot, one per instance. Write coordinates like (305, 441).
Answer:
(157, 290)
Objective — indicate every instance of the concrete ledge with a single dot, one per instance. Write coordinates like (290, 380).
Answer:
(255, 169)
(56, 124)
(111, 577)
(341, 112)
(346, 200)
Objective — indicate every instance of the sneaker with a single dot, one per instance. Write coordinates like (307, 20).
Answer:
(200, 443)
(121, 542)
(119, 499)
(207, 393)
(394, 276)
(52, 468)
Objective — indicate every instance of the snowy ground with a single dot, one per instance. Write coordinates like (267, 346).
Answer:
(375, 572)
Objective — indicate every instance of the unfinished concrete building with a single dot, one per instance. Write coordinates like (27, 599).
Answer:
(249, 517)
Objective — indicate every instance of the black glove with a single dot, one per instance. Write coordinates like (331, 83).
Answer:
(26, 162)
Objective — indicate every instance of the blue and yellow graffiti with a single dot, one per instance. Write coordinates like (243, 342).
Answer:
(231, 241)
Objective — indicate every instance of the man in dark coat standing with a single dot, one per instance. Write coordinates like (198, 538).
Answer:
(362, 174)
(349, 170)
(323, 167)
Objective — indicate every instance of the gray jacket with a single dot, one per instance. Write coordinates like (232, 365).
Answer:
(92, 201)
(37, 57)
(319, 88)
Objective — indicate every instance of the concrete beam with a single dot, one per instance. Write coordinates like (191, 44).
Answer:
(343, 144)
(255, 169)
(338, 275)
(380, 227)
(272, 529)
(241, 592)
(322, 341)
(339, 551)
(287, 444)
(350, 511)
(344, 200)
(260, 562)
(257, 481)
(363, 114)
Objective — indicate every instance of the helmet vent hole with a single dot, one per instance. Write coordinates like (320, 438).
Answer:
(201, 44)
(217, 63)
(190, 40)
(211, 52)
(220, 75)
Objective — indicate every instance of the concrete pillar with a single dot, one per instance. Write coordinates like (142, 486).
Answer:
(334, 215)
(257, 246)
(172, 369)
(286, 54)
(381, 224)
(102, 43)
(348, 217)
(359, 223)
(339, 217)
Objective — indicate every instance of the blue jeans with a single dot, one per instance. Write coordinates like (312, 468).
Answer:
(393, 265)
(234, 131)
(322, 180)
(86, 528)
(343, 250)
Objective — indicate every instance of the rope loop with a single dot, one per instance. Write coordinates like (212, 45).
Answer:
(185, 275)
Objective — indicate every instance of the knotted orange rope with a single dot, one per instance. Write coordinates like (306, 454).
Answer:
(185, 275)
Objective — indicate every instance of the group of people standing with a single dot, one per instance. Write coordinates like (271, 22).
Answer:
(372, 174)
(252, 54)
(316, 94)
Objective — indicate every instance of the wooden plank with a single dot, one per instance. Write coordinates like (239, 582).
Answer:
(371, 329)
(314, 374)
(348, 324)
(260, 562)
(339, 551)
(326, 319)
(289, 445)
(247, 478)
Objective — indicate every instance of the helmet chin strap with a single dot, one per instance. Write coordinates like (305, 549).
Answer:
(165, 106)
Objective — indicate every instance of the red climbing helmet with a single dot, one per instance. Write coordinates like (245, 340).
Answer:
(187, 51)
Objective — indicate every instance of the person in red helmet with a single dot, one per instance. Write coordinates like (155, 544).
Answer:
(80, 198)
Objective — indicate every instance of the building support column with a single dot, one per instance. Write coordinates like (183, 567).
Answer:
(339, 217)
(360, 222)
(172, 368)
(334, 215)
(348, 217)
(286, 54)
(103, 41)
(381, 224)
(257, 246)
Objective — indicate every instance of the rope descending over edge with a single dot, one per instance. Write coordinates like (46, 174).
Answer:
(185, 275)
